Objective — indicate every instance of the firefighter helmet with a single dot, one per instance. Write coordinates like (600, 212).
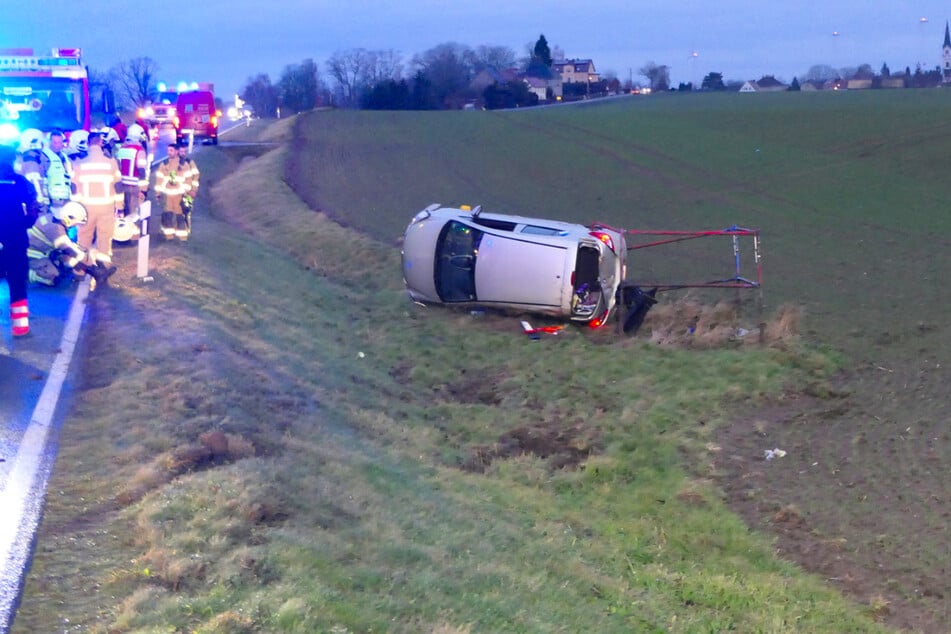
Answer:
(78, 141)
(31, 139)
(136, 134)
(125, 229)
(71, 214)
(109, 136)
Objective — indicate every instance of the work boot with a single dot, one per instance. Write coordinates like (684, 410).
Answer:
(101, 273)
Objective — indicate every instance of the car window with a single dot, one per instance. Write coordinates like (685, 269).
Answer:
(456, 252)
(492, 223)
(543, 231)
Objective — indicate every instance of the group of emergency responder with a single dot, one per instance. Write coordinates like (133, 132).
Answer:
(62, 205)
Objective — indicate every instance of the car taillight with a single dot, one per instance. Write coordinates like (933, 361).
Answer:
(599, 321)
(605, 238)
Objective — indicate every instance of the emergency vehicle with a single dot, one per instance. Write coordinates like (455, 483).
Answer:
(42, 91)
(196, 116)
(162, 109)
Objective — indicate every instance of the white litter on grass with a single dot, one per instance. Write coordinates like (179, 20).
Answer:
(360, 355)
(769, 454)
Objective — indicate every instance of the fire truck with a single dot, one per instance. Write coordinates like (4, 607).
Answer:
(42, 91)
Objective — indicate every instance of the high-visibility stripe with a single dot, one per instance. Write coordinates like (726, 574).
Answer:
(20, 318)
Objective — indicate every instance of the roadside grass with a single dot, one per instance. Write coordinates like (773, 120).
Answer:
(304, 450)
(848, 189)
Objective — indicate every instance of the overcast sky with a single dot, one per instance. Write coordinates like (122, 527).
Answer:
(227, 42)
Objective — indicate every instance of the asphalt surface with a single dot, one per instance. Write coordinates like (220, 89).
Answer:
(34, 371)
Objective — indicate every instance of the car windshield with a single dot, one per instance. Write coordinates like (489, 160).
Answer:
(456, 252)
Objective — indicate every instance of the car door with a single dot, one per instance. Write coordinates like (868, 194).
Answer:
(520, 271)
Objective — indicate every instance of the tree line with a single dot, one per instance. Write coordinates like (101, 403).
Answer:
(439, 78)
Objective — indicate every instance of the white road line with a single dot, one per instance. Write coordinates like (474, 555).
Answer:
(22, 498)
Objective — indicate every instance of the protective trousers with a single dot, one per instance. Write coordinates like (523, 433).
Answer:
(15, 266)
(102, 225)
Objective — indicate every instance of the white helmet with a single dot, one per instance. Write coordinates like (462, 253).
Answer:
(31, 139)
(136, 134)
(108, 134)
(78, 141)
(71, 214)
(125, 229)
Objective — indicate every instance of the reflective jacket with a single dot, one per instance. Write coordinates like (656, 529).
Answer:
(173, 179)
(58, 175)
(47, 235)
(31, 166)
(133, 165)
(96, 177)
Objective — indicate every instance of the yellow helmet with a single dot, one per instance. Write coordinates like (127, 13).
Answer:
(71, 214)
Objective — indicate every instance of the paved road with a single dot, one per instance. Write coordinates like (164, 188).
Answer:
(33, 372)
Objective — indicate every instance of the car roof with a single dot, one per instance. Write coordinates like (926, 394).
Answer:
(509, 224)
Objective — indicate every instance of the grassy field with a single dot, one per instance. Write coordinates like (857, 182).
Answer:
(297, 448)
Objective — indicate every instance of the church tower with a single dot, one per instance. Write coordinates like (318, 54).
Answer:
(946, 56)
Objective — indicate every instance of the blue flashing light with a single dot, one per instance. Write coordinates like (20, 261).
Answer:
(9, 133)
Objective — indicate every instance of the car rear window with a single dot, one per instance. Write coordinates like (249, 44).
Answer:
(543, 231)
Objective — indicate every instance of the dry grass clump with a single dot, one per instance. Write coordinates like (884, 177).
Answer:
(690, 322)
(213, 447)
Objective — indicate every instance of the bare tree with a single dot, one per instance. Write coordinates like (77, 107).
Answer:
(497, 57)
(299, 86)
(349, 70)
(134, 80)
(382, 66)
(658, 75)
(819, 72)
(449, 68)
(261, 95)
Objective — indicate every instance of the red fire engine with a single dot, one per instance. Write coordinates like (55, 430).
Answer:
(42, 91)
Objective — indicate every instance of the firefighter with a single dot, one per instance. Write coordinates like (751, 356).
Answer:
(30, 162)
(57, 171)
(18, 211)
(53, 255)
(133, 163)
(172, 183)
(188, 199)
(96, 178)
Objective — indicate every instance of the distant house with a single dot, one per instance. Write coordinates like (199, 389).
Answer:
(538, 85)
(858, 84)
(767, 83)
(576, 71)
